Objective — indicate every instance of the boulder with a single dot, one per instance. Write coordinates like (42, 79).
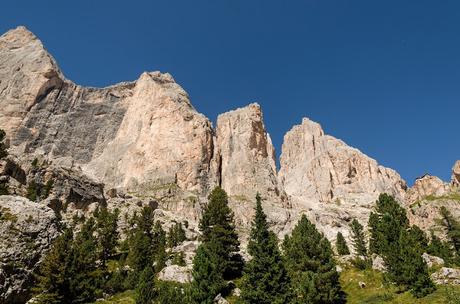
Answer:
(27, 231)
(446, 276)
(175, 273)
(431, 260)
(378, 263)
(219, 299)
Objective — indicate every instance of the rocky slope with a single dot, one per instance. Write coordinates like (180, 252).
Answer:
(27, 230)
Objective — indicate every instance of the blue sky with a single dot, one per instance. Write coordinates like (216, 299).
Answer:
(381, 75)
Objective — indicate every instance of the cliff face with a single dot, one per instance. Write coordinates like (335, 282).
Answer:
(321, 167)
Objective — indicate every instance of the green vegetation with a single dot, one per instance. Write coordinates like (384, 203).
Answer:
(377, 290)
(452, 226)
(399, 245)
(218, 223)
(341, 245)
(176, 235)
(311, 265)
(6, 215)
(265, 278)
(3, 151)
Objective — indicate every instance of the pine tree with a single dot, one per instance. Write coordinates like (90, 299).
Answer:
(3, 151)
(85, 278)
(412, 270)
(440, 249)
(176, 235)
(141, 250)
(218, 221)
(208, 280)
(311, 265)
(145, 290)
(358, 238)
(107, 233)
(341, 245)
(386, 224)
(401, 247)
(453, 229)
(52, 278)
(265, 278)
(159, 246)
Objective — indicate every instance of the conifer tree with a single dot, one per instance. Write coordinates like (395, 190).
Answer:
(440, 249)
(3, 151)
(176, 235)
(107, 233)
(400, 247)
(159, 246)
(218, 221)
(52, 278)
(311, 265)
(208, 280)
(453, 229)
(412, 270)
(3, 154)
(85, 278)
(145, 290)
(265, 279)
(341, 245)
(141, 253)
(358, 238)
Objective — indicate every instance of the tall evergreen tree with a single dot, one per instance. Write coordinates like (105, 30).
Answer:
(107, 233)
(453, 229)
(3, 154)
(85, 277)
(145, 290)
(311, 265)
(440, 249)
(52, 278)
(400, 247)
(358, 238)
(218, 221)
(176, 235)
(141, 253)
(265, 279)
(208, 280)
(159, 246)
(341, 245)
(411, 270)
(3, 151)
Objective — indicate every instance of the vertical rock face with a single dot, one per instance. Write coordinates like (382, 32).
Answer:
(26, 73)
(456, 174)
(320, 167)
(245, 157)
(161, 140)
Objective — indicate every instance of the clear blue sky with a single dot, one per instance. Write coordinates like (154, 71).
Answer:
(384, 76)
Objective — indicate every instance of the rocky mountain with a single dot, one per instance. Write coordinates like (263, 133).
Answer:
(142, 142)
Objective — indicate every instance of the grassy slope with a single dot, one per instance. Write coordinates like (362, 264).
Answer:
(376, 291)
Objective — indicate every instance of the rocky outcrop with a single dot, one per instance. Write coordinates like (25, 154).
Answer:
(245, 156)
(425, 186)
(174, 273)
(446, 276)
(432, 261)
(321, 167)
(456, 174)
(26, 230)
(330, 181)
